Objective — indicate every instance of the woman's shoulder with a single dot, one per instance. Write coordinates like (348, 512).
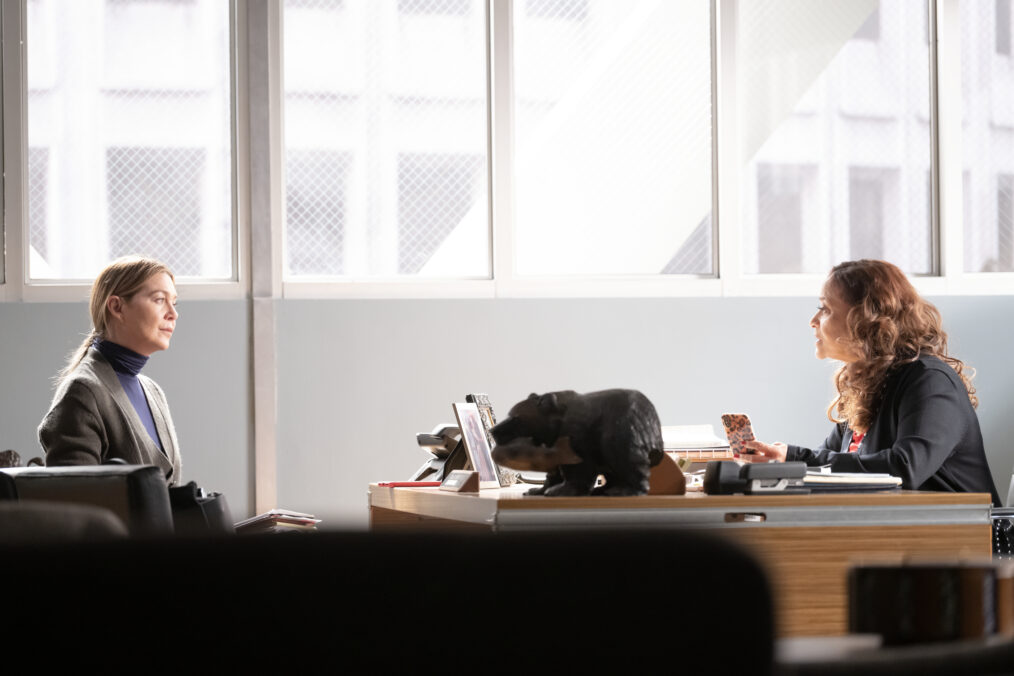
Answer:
(87, 370)
(928, 367)
(86, 376)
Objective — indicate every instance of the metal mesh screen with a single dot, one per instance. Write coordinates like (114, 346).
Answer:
(781, 216)
(434, 193)
(385, 126)
(987, 142)
(451, 7)
(315, 203)
(613, 144)
(696, 253)
(38, 168)
(130, 135)
(839, 150)
(154, 199)
(1005, 222)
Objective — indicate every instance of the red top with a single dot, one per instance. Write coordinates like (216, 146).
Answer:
(857, 438)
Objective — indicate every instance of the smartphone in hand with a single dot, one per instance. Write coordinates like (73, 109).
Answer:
(738, 431)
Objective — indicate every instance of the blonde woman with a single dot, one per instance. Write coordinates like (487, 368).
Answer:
(904, 406)
(104, 408)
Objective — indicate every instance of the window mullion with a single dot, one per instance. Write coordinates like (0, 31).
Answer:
(15, 145)
(501, 121)
(730, 265)
(949, 130)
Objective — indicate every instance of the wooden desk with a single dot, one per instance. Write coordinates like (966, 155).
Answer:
(806, 542)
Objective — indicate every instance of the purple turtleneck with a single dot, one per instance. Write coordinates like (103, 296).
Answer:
(127, 364)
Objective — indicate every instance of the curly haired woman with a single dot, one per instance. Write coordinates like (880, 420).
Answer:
(904, 407)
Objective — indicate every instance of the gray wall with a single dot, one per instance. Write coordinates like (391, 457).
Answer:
(205, 375)
(358, 378)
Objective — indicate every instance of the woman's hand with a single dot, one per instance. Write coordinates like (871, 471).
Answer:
(765, 452)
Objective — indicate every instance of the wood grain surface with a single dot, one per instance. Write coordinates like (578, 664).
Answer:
(807, 565)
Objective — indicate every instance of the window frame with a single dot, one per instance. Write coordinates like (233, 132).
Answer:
(17, 285)
(728, 278)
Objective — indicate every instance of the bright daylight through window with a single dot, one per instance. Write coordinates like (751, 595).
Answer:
(987, 95)
(835, 134)
(129, 134)
(613, 142)
(385, 139)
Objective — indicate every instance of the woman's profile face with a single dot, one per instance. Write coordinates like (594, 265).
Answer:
(145, 322)
(830, 327)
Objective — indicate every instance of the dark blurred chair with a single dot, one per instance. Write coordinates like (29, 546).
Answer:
(137, 494)
(37, 521)
(559, 602)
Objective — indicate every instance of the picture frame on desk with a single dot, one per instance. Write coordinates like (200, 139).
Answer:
(476, 445)
(486, 414)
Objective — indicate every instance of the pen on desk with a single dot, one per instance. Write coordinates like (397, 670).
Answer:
(408, 483)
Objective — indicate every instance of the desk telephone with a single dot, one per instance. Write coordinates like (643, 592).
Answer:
(448, 450)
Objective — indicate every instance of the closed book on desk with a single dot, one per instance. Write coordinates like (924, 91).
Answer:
(818, 481)
(278, 520)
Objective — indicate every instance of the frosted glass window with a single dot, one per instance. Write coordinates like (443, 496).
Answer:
(987, 139)
(613, 137)
(835, 134)
(385, 139)
(129, 135)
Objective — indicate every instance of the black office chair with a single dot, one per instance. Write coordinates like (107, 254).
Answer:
(136, 494)
(37, 521)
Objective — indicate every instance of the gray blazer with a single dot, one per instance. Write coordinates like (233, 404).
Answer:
(91, 420)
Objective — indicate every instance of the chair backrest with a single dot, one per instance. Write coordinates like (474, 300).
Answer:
(28, 522)
(137, 494)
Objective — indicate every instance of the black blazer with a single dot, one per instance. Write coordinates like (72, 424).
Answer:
(925, 432)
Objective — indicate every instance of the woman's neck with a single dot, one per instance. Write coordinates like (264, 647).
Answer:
(122, 359)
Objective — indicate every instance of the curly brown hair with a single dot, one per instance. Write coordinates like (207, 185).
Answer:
(889, 324)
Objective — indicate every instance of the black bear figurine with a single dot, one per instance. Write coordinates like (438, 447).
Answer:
(576, 437)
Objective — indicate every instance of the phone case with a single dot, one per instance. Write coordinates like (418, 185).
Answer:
(738, 431)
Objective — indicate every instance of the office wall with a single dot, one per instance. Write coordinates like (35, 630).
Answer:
(357, 379)
(205, 375)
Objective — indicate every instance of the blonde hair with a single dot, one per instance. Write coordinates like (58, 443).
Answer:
(123, 277)
(889, 324)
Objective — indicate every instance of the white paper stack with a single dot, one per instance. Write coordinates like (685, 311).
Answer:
(692, 438)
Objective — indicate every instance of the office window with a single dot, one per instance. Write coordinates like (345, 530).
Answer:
(315, 188)
(450, 7)
(870, 30)
(784, 207)
(557, 10)
(38, 183)
(987, 141)
(814, 94)
(613, 137)
(434, 193)
(397, 90)
(696, 254)
(154, 202)
(1005, 222)
(866, 213)
(131, 143)
(1002, 28)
